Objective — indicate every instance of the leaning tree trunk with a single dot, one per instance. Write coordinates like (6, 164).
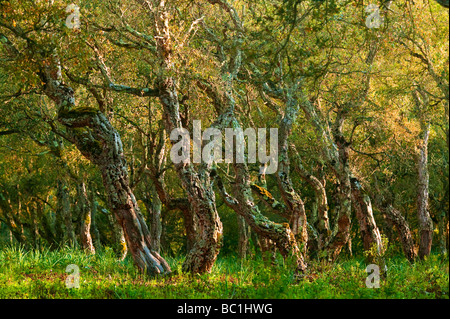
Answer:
(400, 223)
(97, 140)
(242, 203)
(396, 219)
(423, 215)
(101, 143)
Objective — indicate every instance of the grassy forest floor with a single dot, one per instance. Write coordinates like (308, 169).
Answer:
(41, 274)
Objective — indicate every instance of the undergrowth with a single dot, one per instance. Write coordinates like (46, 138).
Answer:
(42, 274)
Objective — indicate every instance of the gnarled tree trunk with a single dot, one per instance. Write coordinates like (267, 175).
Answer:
(200, 194)
(98, 141)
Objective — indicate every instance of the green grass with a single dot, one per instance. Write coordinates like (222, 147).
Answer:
(41, 274)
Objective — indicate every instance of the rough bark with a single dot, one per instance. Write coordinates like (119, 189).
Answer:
(197, 185)
(241, 201)
(118, 239)
(336, 152)
(290, 196)
(200, 194)
(189, 226)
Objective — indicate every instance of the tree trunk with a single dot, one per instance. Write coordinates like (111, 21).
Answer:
(243, 204)
(423, 215)
(342, 172)
(98, 141)
(64, 214)
(370, 233)
(200, 194)
(154, 206)
(243, 241)
(155, 221)
(86, 218)
(402, 227)
(443, 232)
(290, 196)
(322, 224)
(268, 249)
(189, 226)
(13, 224)
(94, 229)
(119, 242)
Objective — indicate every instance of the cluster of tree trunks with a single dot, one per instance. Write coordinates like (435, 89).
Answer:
(91, 131)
